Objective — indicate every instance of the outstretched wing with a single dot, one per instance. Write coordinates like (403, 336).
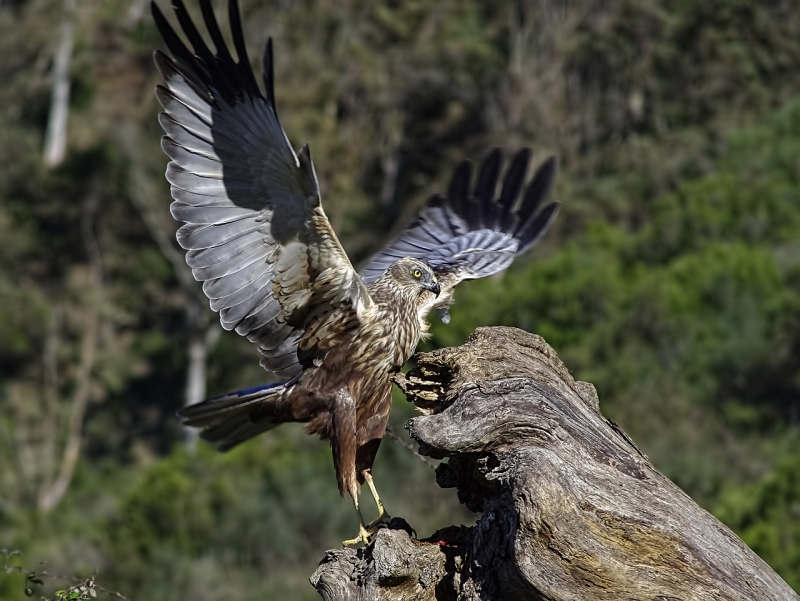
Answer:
(255, 232)
(470, 234)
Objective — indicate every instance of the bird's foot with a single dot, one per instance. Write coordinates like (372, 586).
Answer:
(365, 533)
(363, 537)
(382, 521)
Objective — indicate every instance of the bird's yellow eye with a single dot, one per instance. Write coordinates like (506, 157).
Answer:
(417, 273)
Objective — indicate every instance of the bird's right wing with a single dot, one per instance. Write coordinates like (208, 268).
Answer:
(255, 231)
(470, 234)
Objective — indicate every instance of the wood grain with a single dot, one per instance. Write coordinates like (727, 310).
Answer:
(570, 507)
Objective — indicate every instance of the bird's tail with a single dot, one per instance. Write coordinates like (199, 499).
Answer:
(232, 418)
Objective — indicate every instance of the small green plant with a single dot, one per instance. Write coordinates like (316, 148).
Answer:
(78, 592)
(82, 589)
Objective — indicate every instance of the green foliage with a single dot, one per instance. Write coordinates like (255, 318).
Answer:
(692, 318)
(766, 515)
(77, 593)
(671, 279)
(82, 589)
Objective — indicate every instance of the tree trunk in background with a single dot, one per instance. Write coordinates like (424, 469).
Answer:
(203, 337)
(570, 508)
(55, 141)
(50, 496)
(203, 329)
(390, 135)
(135, 13)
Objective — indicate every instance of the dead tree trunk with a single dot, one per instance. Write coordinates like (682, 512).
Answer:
(570, 508)
(55, 141)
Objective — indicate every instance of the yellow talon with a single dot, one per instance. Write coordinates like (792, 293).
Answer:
(363, 537)
(368, 530)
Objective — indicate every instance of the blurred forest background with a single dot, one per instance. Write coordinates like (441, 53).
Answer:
(671, 279)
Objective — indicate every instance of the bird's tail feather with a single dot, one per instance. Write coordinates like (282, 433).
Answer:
(232, 418)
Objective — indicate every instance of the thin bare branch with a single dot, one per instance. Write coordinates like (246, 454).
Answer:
(80, 399)
(426, 460)
(49, 418)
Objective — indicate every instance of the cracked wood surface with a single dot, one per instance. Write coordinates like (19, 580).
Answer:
(570, 507)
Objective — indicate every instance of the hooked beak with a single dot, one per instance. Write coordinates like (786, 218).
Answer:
(434, 287)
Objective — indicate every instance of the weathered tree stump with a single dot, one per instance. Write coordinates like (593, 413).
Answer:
(570, 508)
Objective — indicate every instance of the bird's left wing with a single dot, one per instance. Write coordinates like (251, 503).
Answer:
(255, 231)
(469, 233)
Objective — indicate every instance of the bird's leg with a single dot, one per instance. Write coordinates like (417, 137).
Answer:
(363, 532)
(383, 517)
(367, 530)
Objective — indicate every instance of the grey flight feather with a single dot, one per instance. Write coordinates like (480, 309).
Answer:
(256, 233)
(471, 234)
(257, 238)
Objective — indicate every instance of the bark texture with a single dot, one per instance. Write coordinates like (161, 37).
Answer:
(570, 507)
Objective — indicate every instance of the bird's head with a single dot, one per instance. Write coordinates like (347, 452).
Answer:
(414, 276)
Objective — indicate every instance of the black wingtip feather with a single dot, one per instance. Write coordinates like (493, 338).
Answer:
(477, 212)
(245, 72)
(458, 192)
(438, 200)
(480, 209)
(487, 177)
(515, 178)
(201, 49)
(538, 188)
(174, 44)
(452, 234)
(536, 226)
(216, 74)
(214, 31)
(268, 72)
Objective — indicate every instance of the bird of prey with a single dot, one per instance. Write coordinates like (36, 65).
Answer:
(271, 265)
